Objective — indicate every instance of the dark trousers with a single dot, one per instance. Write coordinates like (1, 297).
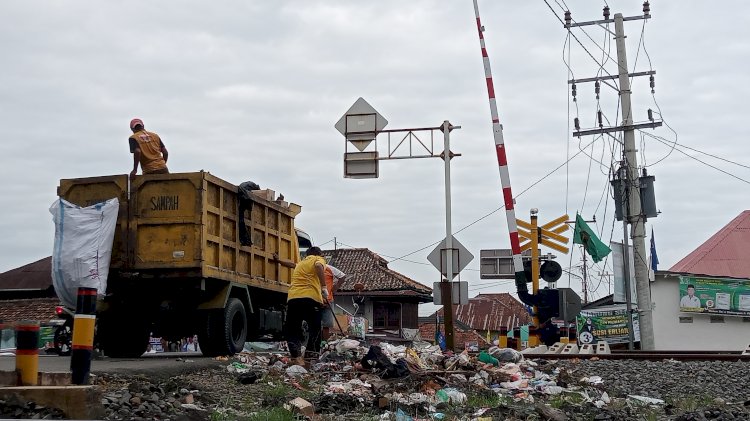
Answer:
(299, 310)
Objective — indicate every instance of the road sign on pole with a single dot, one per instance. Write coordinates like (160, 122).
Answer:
(459, 293)
(361, 124)
(461, 258)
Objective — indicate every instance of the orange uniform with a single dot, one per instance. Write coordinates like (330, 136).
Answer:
(151, 146)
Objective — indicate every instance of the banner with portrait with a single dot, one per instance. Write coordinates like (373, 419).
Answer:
(609, 326)
(728, 297)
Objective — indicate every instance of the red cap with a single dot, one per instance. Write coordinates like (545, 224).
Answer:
(135, 122)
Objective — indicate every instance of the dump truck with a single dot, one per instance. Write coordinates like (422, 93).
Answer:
(191, 255)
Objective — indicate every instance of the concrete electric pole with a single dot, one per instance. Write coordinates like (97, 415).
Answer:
(635, 215)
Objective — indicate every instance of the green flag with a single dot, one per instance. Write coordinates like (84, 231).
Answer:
(586, 236)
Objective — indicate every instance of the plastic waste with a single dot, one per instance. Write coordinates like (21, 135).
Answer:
(437, 416)
(442, 395)
(454, 396)
(646, 400)
(488, 359)
(295, 370)
(238, 368)
(346, 345)
(505, 354)
(401, 416)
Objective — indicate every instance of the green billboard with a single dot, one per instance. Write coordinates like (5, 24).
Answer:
(730, 297)
(610, 327)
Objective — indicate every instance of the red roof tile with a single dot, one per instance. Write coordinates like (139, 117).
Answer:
(460, 336)
(37, 275)
(364, 266)
(41, 309)
(491, 312)
(726, 253)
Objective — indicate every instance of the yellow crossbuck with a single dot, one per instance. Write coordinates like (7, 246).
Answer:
(548, 234)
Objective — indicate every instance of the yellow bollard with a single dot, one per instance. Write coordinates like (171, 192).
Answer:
(83, 336)
(27, 352)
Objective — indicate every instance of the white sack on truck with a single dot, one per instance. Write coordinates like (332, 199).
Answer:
(83, 247)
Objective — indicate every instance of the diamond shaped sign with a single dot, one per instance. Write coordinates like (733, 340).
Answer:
(360, 124)
(461, 258)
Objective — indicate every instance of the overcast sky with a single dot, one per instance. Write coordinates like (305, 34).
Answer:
(250, 90)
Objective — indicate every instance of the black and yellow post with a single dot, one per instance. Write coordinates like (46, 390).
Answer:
(564, 335)
(83, 336)
(502, 340)
(27, 352)
(533, 335)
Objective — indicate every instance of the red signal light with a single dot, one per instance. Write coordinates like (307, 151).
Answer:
(59, 310)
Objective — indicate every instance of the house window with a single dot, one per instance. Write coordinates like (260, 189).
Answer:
(686, 319)
(386, 315)
(717, 319)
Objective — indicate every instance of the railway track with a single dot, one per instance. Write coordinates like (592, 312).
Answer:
(651, 356)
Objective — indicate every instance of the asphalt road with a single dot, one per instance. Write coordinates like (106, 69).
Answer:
(166, 364)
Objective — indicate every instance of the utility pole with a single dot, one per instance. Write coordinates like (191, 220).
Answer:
(446, 288)
(635, 215)
(609, 283)
(626, 258)
(585, 279)
(360, 125)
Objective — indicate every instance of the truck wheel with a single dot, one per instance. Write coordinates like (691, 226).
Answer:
(123, 338)
(223, 332)
(235, 326)
(209, 333)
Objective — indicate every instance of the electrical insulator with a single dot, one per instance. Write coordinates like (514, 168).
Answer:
(573, 91)
(599, 116)
(606, 12)
(650, 114)
(646, 8)
(651, 83)
(597, 89)
(568, 19)
(577, 124)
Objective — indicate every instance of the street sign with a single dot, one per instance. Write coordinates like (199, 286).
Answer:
(461, 258)
(459, 293)
(549, 234)
(360, 124)
(361, 165)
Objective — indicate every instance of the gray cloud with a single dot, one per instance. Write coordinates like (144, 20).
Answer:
(251, 90)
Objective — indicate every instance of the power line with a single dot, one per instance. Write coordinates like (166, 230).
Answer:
(498, 209)
(703, 162)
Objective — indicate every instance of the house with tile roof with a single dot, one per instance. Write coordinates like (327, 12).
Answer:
(26, 293)
(720, 270)
(490, 314)
(387, 299)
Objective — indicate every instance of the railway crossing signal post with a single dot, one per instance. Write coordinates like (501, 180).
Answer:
(533, 236)
(361, 125)
(635, 215)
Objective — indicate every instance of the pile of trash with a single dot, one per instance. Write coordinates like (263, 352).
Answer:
(417, 379)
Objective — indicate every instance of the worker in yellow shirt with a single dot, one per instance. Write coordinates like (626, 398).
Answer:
(306, 298)
(147, 149)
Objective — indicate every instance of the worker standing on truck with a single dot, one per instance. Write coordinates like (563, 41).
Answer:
(147, 149)
(306, 297)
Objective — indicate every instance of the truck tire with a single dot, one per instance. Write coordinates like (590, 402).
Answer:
(235, 326)
(209, 331)
(223, 332)
(122, 338)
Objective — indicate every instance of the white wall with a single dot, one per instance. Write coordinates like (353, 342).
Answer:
(701, 334)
